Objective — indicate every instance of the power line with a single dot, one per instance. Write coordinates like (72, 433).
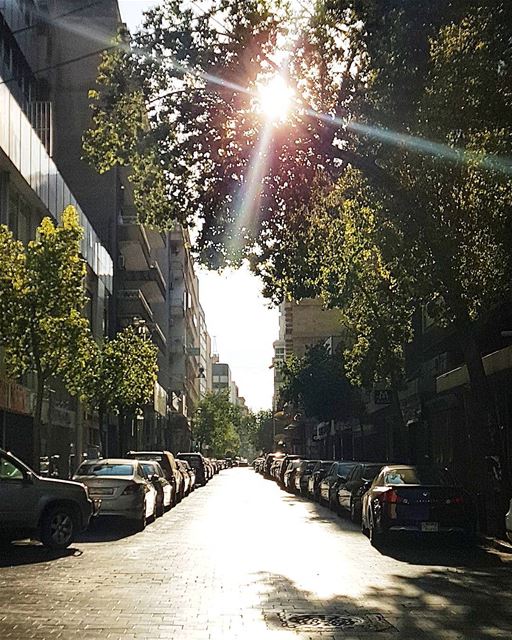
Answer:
(44, 18)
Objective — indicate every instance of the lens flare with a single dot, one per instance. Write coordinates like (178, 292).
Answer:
(275, 99)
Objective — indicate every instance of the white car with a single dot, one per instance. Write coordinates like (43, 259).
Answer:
(508, 522)
(123, 488)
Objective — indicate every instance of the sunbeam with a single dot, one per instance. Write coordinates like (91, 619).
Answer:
(421, 145)
(248, 200)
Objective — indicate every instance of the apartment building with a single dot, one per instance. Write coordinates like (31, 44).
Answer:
(33, 185)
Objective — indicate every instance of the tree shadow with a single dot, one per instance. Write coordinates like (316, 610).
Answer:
(438, 550)
(440, 604)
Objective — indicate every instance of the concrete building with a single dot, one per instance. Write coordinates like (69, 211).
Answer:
(75, 30)
(34, 184)
(187, 329)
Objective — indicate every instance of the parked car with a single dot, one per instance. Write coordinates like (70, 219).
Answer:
(319, 471)
(185, 475)
(508, 522)
(156, 475)
(198, 463)
(286, 461)
(350, 493)
(419, 498)
(302, 475)
(169, 466)
(330, 483)
(123, 487)
(289, 475)
(52, 511)
(191, 474)
(269, 460)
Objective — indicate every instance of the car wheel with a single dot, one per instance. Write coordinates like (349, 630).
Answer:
(140, 523)
(58, 528)
(364, 528)
(355, 516)
(377, 537)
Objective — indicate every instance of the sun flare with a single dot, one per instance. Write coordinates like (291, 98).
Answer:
(275, 99)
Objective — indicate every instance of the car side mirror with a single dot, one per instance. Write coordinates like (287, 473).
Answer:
(154, 478)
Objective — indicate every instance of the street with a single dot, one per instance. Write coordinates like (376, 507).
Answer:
(240, 558)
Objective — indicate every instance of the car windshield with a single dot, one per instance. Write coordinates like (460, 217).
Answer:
(417, 475)
(105, 469)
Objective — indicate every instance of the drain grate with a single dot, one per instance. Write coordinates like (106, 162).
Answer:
(331, 622)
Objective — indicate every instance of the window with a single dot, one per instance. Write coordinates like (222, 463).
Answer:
(9, 471)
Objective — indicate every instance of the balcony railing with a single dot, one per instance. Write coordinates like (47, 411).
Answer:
(132, 302)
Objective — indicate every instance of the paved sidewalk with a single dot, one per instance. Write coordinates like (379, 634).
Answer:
(238, 559)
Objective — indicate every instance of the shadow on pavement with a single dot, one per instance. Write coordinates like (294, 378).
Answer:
(106, 529)
(444, 551)
(440, 604)
(25, 552)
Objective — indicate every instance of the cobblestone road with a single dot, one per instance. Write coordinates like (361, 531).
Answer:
(232, 559)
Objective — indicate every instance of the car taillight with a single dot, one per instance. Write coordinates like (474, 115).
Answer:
(390, 496)
(455, 500)
(131, 489)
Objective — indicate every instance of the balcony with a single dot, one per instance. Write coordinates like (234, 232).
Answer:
(149, 280)
(177, 309)
(158, 336)
(157, 239)
(133, 244)
(132, 303)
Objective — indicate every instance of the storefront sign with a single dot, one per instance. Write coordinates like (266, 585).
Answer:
(14, 397)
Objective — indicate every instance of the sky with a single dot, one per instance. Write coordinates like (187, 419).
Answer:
(238, 317)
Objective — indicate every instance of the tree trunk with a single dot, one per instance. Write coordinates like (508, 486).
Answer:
(36, 430)
(103, 435)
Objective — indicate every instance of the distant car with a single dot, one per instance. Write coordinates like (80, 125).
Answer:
(191, 473)
(304, 471)
(350, 493)
(169, 466)
(123, 487)
(422, 499)
(156, 476)
(333, 479)
(52, 511)
(286, 462)
(289, 475)
(508, 522)
(185, 475)
(319, 471)
(269, 460)
(198, 463)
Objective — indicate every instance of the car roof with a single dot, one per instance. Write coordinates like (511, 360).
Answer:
(111, 461)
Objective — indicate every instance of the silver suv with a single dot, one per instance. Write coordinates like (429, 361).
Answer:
(53, 511)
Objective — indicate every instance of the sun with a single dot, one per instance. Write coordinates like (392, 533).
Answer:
(275, 99)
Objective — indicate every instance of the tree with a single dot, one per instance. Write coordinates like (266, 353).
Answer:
(122, 377)
(317, 384)
(413, 96)
(214, 425)
(43, 330)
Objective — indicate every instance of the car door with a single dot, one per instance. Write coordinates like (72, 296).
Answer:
(326, 482)
(19, 495)
(345, 490)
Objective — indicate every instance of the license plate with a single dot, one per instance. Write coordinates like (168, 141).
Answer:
(430, 527)
(99, 491)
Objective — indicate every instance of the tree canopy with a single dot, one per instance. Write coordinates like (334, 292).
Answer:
(317, 384)
(387, 186)
(213, 426)
(43, 329)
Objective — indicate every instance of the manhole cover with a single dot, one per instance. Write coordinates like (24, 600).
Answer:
(331, 622)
